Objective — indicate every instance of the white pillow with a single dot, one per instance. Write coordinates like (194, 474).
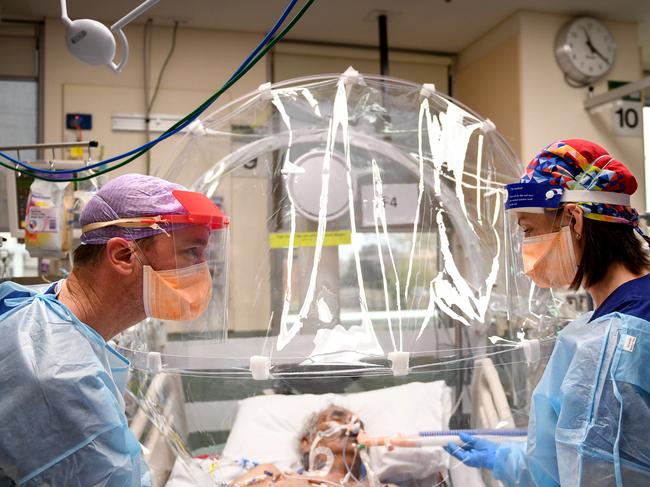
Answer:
(266, 428)
(406, 409)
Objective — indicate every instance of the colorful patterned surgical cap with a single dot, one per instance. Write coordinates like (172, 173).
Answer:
(578, 164)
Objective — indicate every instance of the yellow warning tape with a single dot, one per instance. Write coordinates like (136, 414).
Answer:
(308, 239)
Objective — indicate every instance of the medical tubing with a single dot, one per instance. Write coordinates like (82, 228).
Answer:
(345, 460)
(268, 36)
(267, 43)
(175, 128)
(200, 108)
(370, 474)
(476, 432)
(238, 75)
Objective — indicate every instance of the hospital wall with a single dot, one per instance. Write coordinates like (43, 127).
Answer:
(486, 78)
(202, 61)
(295, 59)
(510, 76)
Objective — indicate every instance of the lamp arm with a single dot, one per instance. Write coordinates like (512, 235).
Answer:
(133, 14)
(124, 45)
(121, 37)
(64, 13)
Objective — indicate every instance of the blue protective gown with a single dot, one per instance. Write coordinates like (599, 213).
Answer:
(590, 413)
(62, 420)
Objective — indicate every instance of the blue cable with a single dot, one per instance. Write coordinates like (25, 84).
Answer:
(268, 37)
(166, 135)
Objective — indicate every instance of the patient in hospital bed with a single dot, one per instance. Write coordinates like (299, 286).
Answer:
(277, 433)
(329, 453)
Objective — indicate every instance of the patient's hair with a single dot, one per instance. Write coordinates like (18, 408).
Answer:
(309, 430)
(309, 427)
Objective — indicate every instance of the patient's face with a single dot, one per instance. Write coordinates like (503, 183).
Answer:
(330, 418)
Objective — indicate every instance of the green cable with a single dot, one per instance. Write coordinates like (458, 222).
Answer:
(193, 114)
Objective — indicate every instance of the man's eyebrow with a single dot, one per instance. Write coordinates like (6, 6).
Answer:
(199, 241)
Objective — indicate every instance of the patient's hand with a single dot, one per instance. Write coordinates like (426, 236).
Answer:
(268, 475)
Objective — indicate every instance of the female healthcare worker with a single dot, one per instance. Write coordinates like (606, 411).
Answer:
(590, 413)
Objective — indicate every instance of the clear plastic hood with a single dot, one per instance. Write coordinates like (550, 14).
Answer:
(367, 219)
(370, 259)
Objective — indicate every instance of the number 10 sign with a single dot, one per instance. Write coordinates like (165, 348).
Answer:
(627, 118)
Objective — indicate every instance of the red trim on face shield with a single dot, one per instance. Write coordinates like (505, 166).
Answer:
(200, 210)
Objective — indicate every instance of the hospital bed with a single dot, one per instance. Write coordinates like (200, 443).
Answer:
(232, 423)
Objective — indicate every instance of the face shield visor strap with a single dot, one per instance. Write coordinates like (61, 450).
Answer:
(153, 222)
(199, 210)
(545, 196)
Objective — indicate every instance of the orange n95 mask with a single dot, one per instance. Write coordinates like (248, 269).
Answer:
(176, 294)
(549, 260)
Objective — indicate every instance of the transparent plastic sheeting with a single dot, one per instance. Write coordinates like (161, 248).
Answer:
(367, 219)
(369, 251)
(204, 429)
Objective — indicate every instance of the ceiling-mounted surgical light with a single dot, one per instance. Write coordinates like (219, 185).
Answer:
(94, 43)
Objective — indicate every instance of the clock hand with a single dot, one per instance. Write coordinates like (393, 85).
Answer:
(593, 50)
(589, 44)
(601, 56)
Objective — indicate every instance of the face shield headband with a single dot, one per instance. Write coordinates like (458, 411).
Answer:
(199, 211)
(596, 205)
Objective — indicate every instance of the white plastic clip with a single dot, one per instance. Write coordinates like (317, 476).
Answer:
(260, 366)
(352, 76)
(154, 362)
(428, 89)
(196, 127)
(488, 126)
(399, 362)
(531, 350)
(265, 90)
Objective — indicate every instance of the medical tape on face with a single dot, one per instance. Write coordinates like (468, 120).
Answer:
(602, 197)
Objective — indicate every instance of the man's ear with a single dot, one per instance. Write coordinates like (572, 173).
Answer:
(120, 255)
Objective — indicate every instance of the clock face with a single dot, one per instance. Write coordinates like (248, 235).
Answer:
(587, 49)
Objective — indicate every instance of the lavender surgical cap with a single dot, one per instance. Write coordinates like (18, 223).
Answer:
(129, 196)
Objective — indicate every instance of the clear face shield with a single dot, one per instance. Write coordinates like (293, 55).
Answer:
(184, 266)
(546, 259)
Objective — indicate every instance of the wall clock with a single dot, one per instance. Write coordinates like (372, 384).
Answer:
(585, 50)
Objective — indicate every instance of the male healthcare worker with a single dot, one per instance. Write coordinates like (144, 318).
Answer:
(143, 253)
(590, 413)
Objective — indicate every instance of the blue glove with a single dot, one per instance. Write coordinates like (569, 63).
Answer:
(474, 452)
